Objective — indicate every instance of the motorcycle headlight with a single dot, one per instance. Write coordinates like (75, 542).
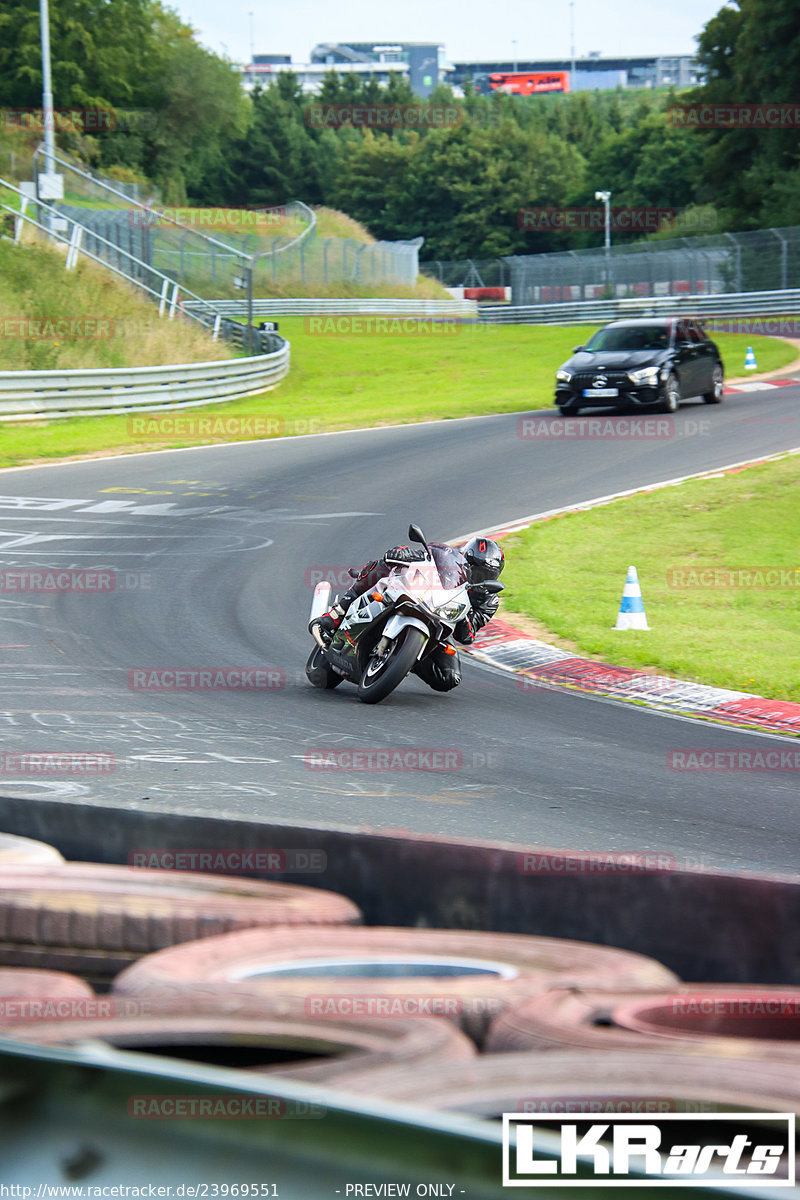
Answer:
(647, 376)
(452, 612)
(563, 376)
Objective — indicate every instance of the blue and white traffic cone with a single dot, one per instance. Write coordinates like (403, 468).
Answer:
(631, 610)
(750, 360)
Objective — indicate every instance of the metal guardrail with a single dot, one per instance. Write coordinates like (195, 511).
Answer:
(740, 304)
(361, 307)
(31, 395)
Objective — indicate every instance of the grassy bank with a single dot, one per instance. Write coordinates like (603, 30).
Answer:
(349, 380)
(53, 319)
(719, 567)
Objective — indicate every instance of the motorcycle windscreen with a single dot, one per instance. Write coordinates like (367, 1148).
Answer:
(450, 564)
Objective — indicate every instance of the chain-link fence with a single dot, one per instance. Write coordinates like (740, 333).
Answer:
(469, 272)
(760, 261)
(212, 251)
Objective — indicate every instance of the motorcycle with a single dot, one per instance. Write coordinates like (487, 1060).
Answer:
(411, 611)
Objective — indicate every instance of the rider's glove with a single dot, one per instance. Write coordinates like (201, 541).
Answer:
(464, 631)
(404, 554)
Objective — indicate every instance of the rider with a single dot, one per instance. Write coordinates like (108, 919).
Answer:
(484, 561)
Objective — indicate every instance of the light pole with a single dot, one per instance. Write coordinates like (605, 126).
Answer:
(516, 63)
(572, 42)
(47, 90)
(606, 198)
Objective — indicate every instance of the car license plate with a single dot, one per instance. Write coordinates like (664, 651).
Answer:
(589, 392)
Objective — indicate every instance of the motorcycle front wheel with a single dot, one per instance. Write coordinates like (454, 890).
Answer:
(384, 672)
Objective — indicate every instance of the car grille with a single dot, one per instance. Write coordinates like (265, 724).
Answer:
(585, 379)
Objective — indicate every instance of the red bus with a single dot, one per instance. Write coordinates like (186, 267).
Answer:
(529, 83)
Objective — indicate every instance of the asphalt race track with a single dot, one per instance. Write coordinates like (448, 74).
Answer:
(214, 552)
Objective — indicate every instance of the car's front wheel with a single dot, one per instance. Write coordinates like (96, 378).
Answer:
(717, 387)
(568, 410)
(672, 395)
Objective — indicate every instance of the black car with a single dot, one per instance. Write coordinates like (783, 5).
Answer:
(647, 363)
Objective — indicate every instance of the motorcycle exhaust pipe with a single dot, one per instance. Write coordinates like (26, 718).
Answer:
(319, 605)
(322, 599)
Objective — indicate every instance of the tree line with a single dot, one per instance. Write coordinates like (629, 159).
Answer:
(188, 127)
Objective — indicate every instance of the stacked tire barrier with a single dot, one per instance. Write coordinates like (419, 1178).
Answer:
(284, 980)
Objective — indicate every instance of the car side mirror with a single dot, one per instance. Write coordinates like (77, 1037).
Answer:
(575, 349)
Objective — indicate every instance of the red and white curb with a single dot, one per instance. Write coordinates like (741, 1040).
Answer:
(543, 667)
(753, 385)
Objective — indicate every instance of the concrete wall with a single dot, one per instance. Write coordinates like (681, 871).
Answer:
(709, 927)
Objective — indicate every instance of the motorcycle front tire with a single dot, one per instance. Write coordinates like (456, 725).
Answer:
(377, 683)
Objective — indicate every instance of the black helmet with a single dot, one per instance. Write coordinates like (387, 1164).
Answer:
(485, 559)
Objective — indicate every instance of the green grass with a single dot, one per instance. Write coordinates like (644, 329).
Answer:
(348, 380)
(567, 573)
(53, 319)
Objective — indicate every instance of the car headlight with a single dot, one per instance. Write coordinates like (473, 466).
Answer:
(563, 376)
(647, 375)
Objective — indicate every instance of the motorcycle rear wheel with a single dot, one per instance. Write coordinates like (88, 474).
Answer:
(319, 673)
(381, 679)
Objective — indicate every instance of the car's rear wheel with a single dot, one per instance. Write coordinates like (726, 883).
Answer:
(672, 395)
(717, 387)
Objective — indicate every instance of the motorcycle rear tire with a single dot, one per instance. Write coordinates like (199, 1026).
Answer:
(319, 673)
(376, 687)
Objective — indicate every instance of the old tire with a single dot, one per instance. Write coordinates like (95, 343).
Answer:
(265, 1035)
(26, 851)
(95, 920)
(27, 995)
(590, 1082)
(591, 1019)
(464, 975)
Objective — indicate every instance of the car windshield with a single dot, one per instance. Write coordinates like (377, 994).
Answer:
(450, 564)
(630, 337)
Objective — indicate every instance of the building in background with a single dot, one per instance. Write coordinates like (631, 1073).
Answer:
(592, 73)
(422, 63)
